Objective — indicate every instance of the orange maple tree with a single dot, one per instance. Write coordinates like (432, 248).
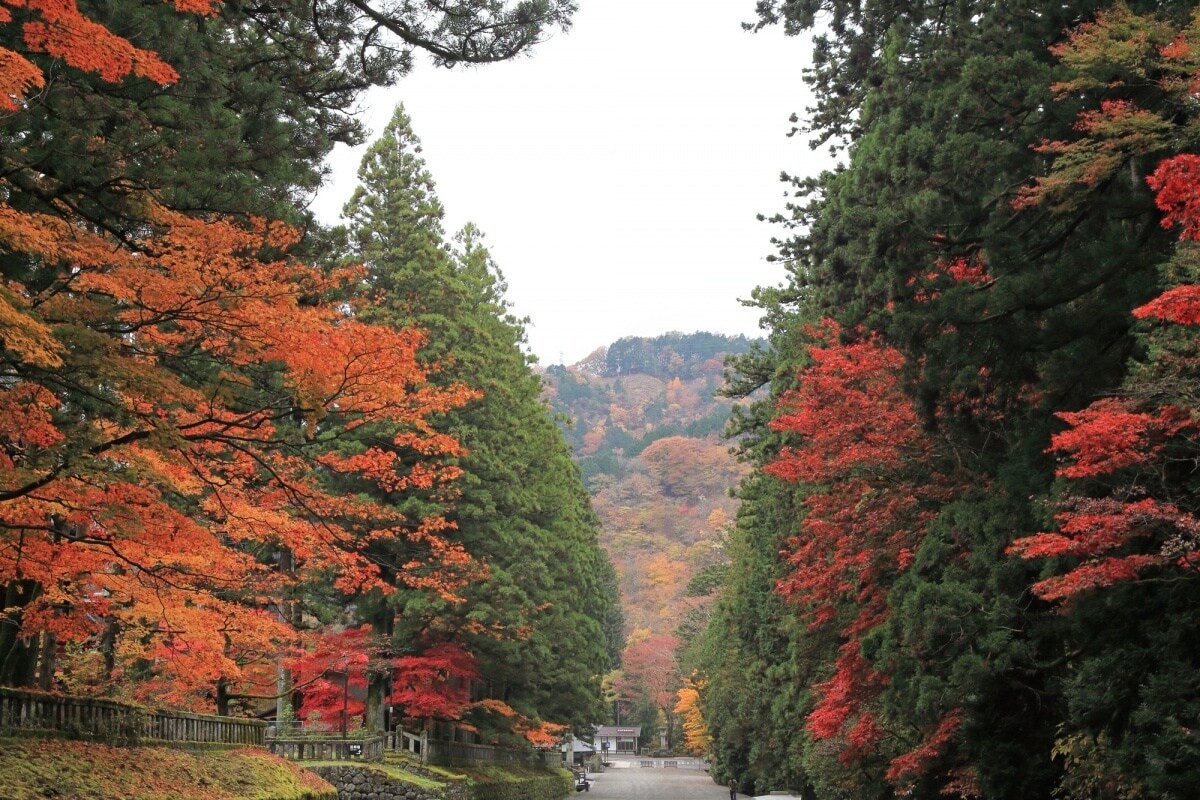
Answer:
(58, 29)
(170, 418)
(696, 735)
(175, 406)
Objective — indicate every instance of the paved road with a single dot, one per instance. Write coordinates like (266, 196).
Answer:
(653, 783)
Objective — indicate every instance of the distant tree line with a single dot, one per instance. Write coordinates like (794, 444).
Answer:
(672, 355)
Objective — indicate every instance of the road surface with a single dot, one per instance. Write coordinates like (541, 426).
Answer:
(653, 783)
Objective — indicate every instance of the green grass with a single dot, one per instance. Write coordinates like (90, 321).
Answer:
(70, 770)
(404, 761)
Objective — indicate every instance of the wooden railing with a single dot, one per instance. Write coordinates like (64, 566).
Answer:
(298, 743)
(328, 749)
(443, 752)
(415, 743)
(107, 720)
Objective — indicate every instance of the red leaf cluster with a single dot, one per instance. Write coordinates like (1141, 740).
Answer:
(1109, 436)
(916, 761)
(332, 676)
(946, 273)
(870, 488)
(1176, 182)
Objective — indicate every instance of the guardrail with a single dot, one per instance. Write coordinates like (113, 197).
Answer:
(110, 721)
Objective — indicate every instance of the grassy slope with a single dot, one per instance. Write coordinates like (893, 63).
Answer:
(68, 770)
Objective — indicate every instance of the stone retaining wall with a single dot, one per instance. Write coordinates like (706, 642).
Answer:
(364, 783)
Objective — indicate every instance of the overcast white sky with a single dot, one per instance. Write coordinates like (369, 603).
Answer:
(617, 171)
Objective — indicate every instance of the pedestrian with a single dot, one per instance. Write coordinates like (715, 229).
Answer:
(732, 789)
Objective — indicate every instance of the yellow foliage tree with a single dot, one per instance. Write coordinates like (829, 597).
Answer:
(695, 729)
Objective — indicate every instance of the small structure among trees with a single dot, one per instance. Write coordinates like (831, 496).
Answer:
(620, 739)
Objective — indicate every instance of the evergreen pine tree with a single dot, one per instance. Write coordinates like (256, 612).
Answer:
(541, 621)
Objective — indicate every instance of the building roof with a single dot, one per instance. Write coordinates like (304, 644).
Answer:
(619, 730)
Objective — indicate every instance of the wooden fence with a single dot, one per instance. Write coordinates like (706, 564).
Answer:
(119, 723)
(301, 743)
(328, 749)
(24, 712)
(443, 752)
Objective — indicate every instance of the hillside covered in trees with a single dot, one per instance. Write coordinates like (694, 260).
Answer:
(645, 419)
(249, 465)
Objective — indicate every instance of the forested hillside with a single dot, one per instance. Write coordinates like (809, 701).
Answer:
(247, 463)
(645, 420)
(965, 562)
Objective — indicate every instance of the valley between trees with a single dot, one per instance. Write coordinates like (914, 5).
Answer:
(255, 466)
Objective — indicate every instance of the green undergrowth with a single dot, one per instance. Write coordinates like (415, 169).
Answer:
(515, 782)
(73, 770)
(486, 781)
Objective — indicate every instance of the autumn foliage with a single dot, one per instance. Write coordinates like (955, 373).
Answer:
(977, 494)
(1124, 516)
(176, 406)
(695, 730)
(58, 29)
(332, 673)
(870, 488)
(170, 419)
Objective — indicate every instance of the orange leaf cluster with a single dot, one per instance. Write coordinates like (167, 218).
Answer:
(537, 733)
(58, 29)
(1117, 54)
(170, 413)
(695, 730)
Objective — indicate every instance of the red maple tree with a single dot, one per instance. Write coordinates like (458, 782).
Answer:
(870, 489)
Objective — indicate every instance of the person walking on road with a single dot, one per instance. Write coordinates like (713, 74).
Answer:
(732, 789)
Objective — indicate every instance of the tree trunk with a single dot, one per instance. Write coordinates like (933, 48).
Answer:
(379, 678)
(108, 647)
(47, 661)
(18, 655)
(289, 610)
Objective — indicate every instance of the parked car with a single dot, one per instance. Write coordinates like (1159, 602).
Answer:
(582, 784)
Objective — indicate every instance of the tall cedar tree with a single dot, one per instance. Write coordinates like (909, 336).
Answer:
(1123, 562)
(1003, 312)
(536, 623)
